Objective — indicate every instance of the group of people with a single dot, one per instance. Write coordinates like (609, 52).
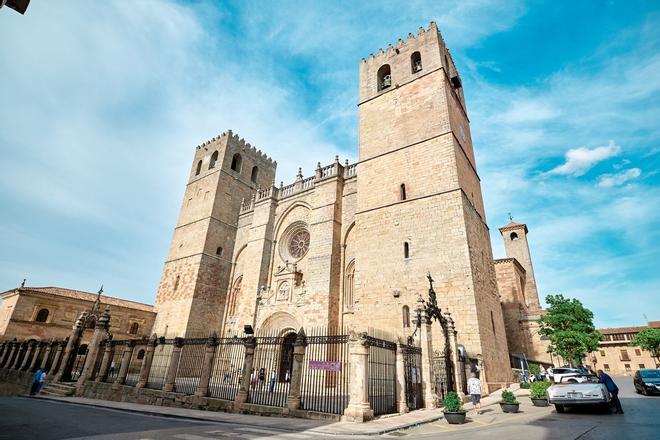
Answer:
(258, 377)
(38, 380)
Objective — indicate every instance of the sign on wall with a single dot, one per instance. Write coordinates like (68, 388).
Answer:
(325, 365)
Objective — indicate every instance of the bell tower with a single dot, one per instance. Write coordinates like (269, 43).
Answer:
(516, 246)
(419, 201)
(194, 284)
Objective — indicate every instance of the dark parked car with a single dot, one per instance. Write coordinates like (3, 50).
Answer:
(647, 381)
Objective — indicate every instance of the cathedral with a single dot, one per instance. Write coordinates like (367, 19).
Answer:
(350, 247)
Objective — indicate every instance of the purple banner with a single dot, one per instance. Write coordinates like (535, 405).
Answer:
(325, 365)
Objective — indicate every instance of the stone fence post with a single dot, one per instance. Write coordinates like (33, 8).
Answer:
(453, 347)
(207, 366)
(102, 374)
(299, 348)
(44, 359)
(401, 379)
(31, 348)
(146, 362)
(125, 362)
(22, 348)
(358, 409)
(57, 360)
(3, 347)
(64, 372)
(244, 389)
(10, 353)
(428, 385)
(100, 330)
(37, 353)
(173, 367)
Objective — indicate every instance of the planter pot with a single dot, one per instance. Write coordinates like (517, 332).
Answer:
(455, 418)
(540, 402)
(510, 407)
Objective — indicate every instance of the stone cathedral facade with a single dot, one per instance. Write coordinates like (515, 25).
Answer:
(351, 245)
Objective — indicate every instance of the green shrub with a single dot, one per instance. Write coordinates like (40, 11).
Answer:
(508, 397)
(538, 389)
(534, 369)
(452, 402)
(524, 385)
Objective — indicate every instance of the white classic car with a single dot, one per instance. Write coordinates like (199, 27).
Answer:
(586, 392)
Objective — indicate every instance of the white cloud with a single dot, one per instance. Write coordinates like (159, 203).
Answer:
(581, 160)
(610, 180)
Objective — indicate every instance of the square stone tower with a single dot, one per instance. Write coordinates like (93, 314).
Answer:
(193, 288)
(516, 246)
(419, 202)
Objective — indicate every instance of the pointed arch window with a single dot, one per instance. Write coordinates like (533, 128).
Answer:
(199, 168)
(416, 62)
(214, 159)
(384, 77)
(235, 294)
(236, 162)
(406, 316)
(349, 286)
(254, 175)
(513, 236)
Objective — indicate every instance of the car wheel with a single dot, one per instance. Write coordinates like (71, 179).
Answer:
(637, 390)
(560, 409)
(572, 381)
(644, 391)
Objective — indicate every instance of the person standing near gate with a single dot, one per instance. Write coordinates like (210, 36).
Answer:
(35, 382)
(474, 388)
(271, 387)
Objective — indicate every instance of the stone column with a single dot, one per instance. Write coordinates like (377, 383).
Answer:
(22, 348)
(10, 353)
(358, 409)
(175, 357)
(207, 366)
(64, 372)
(125, 362)
(401, 379)
(94, 347)
(244, 389)
(102, 374)
(146, 362)
(44, 359)
(35, 357)
(428, 384)
(3, 347)
(453, 348)
(29, 352)
(299, 347)
(57, 360)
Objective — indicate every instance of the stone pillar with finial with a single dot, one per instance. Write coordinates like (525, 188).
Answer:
(94, 347)
(64, 372)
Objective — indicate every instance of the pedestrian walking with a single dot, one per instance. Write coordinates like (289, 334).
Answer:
(111, 373)
(35, 382)
(271, 387)
(474, 388)
(605, 379)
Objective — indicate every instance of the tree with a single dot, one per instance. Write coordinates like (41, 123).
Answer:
(649, 340)
(569, 327)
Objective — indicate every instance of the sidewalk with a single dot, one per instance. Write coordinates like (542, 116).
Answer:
(382, 425)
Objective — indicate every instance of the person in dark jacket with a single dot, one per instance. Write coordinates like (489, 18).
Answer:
(605, 379)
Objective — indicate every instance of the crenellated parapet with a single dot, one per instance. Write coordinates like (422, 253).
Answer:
(237, 141)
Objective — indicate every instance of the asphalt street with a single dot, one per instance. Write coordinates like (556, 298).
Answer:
(24, 418)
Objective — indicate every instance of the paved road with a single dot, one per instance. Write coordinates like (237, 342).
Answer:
(641, 421)
(23, 418)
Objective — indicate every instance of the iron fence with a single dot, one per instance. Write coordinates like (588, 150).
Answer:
(325, 372)
(51, 357)
(190, 365)
(135, 364)
(271, 372)
(382, 375)
(79, 362)
(115, 360)
(160, 364)
(412, 362)
(227, 368)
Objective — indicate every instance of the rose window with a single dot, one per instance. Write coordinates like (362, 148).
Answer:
(298, 244)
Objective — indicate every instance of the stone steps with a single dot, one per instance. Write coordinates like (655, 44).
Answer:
(58, 389)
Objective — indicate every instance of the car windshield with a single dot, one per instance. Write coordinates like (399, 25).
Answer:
(650, 374)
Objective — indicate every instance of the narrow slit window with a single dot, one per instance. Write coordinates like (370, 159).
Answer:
(199, 168)
(255, 174)
(406, 250)
(402, 192)
(406, 316)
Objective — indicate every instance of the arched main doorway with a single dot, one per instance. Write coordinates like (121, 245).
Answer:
(286, 357)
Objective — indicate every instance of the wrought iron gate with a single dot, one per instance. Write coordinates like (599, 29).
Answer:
(443, 374)
(412, 360)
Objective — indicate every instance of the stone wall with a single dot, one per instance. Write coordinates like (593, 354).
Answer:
(14, 383)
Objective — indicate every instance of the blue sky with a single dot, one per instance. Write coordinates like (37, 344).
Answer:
(102, 104)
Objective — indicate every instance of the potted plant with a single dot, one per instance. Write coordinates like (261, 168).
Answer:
(453, 411)
(537, 392)
(509, 404)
